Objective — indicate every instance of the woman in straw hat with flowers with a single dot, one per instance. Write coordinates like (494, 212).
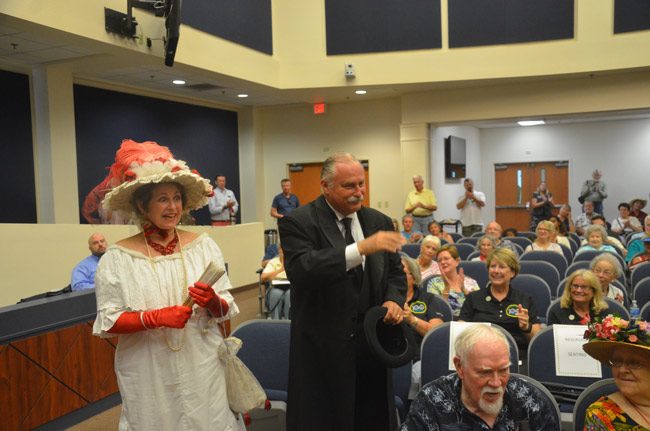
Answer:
(167, 363)
(624, 346)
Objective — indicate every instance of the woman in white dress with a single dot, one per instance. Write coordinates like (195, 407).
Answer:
(167, 361)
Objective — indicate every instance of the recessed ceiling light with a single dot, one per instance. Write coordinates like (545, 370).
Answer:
(526, 123)
(360, 92)
(178, 82)
(242, 95)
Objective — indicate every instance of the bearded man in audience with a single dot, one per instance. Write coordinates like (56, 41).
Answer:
(481, 394)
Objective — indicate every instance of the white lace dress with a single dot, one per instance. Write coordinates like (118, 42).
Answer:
(163, 389)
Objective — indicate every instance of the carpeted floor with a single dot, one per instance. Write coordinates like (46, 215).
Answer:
(104, 421)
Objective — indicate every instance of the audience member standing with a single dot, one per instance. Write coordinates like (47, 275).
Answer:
(594, 190)
(285, 202)
(420, 203)
(83, 275)
(541, 205)
(223, 205)
(470, 205)
(341, 259)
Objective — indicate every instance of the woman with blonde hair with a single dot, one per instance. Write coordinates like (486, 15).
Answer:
(581, 301)
(427, 258)
(560, 232)
(546, 232)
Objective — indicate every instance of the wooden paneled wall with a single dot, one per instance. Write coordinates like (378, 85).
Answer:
(49, 375)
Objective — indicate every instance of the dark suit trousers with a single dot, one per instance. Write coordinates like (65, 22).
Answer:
(374, 406)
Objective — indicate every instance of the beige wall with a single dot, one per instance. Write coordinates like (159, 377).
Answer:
(370, 130)
(40, 257)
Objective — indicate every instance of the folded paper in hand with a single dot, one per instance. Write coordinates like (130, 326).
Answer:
(210, 276)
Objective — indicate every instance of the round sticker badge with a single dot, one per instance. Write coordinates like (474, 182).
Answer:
(512, 310)
(418, 307)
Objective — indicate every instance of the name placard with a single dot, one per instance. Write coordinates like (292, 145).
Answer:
(570, 359)
(455, 329)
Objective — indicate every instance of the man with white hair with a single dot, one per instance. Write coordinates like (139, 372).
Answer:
(421, 203)
(481, 395)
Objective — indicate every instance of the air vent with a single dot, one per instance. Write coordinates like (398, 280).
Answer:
(203, 87)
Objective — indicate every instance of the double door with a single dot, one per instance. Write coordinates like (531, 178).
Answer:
(515, 184)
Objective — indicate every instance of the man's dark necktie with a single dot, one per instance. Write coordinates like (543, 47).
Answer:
(357, 270)
(347, 225)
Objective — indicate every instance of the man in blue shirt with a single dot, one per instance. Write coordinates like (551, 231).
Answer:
(83, 275)
(285, 202)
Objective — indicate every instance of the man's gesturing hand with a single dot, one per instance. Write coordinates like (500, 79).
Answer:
(381, 241)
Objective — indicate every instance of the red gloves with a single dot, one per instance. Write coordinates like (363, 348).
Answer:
(129, 322)
(204, 296)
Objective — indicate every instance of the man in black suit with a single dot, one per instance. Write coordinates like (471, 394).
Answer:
(336, 275)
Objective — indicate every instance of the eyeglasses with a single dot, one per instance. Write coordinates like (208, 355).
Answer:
(602, 271)
(630, 365)
(580, 287)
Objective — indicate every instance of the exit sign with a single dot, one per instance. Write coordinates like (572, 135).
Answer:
(319, 108)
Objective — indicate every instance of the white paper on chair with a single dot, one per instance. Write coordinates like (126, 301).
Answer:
(570, 359)
(455, 328)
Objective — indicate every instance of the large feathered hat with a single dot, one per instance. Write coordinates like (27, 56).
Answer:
(140, 163)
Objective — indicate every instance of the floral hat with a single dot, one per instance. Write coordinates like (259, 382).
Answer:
(613, 332)
(137, 164)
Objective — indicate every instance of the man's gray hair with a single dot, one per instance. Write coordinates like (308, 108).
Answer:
(469, 337)
(607, 257)
(417, 177)
(329, 165)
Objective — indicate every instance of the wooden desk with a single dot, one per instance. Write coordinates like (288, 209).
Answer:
(50, 363)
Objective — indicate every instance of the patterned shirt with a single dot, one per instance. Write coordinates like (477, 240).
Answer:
(606, 415)
(438, 407)
(437, 286)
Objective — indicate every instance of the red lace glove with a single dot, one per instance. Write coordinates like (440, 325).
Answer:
(204, 296)
(129, 322)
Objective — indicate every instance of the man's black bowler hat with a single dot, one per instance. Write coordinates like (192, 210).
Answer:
(393, 345)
